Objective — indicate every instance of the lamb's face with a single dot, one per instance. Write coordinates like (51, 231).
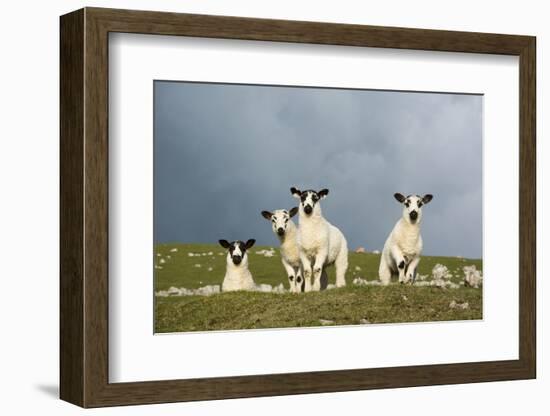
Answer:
(412, 206)
(308, 199)
(279, 219)
(236, 251)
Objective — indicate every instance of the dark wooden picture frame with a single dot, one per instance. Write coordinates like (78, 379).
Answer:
(84, 207)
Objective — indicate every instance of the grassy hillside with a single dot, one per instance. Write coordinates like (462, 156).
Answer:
(349, 305)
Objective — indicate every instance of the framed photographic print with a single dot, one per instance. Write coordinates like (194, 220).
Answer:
(255, 207)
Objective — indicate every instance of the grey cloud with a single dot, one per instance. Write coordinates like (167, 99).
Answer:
(223, 153)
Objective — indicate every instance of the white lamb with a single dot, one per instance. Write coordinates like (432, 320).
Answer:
(287, 232)
(321, 244)
(403, 247)
(237, 275)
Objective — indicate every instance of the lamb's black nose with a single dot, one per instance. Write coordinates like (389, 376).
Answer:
(280, 231)
(237, 260)
(413, 215)
(308, 209)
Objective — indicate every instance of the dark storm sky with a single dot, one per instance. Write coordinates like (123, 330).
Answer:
(225, 152)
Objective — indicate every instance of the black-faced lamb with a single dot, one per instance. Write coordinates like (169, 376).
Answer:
(237, 275)
(287, 233)
(321, 244)
(403, 247)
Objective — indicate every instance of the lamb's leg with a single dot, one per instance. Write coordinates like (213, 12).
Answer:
(400, 260)
(341, 265)
(384, 271)
(299, 281)
(306, 271)
(304, 284)
(411, 270)
(324, 279)
(320, 260)
(291, 276)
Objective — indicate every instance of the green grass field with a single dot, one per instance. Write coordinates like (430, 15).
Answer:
(344, 306)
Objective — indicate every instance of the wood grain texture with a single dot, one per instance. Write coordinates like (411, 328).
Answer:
(84, 207)
(96, 219)
(162, 23)
(71, 100)
(528, 208)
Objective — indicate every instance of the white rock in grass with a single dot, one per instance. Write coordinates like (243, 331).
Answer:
(210, 253)
(162, 261)
(441, 272)
(207, 290)
(358, 281)
(364, 321)
(198, 266)
(174, 250)
(185, 292)
(190, 254)
(266, 253)
(325, 322)
(472, 277)
(158, 267)
(331, 286)
(263, 287)
(173, 290)
(438, 283)
(168, 256)
(279, 289)
(210, 269)
(357, 268)
(215, 289)
(182, 291)
(158, 254)
(220, 254)
(456, 305)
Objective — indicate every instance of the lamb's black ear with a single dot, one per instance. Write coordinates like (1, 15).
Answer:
(427, 198)
(224, 243)
(399, 197)
(267, 215)
(249, 243)
(296, 193)
(293, 212)
(322, 193)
